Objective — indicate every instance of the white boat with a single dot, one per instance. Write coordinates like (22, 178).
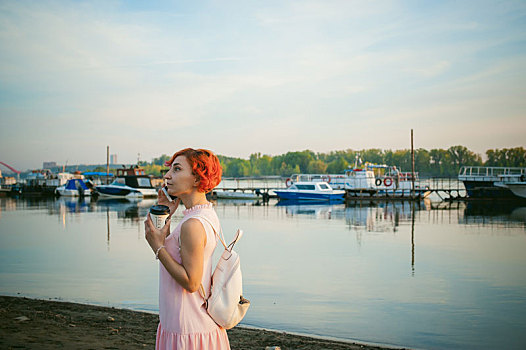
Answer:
(73, 188)
(235, 195)
(310, 191)
(370, 181)
(392, 183)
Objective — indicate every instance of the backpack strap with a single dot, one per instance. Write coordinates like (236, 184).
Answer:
(222, 237)
(239, 234)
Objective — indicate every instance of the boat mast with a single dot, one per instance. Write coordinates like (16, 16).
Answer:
(107, 164)
(412, 167)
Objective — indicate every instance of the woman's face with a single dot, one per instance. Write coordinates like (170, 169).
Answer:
(180, 179)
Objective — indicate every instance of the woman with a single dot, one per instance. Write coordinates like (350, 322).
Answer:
(186, 254)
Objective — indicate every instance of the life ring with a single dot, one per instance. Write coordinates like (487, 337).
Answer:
(388, 181)
(288, 182)
(378, 182)
(326, 178)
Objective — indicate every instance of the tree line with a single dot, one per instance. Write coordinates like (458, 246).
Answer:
(434, 162)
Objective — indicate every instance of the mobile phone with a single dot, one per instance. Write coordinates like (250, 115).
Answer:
(170, 198)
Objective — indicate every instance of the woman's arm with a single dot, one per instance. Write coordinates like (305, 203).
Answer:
(193, 240)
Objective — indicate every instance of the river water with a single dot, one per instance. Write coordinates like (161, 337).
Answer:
(425, 275)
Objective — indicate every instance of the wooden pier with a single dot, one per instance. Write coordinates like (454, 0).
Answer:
(447, 189)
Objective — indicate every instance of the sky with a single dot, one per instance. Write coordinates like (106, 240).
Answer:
(238, 77)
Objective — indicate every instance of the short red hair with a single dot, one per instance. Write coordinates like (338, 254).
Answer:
(205, 164)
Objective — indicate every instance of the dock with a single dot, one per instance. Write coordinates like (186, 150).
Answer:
(263, 188)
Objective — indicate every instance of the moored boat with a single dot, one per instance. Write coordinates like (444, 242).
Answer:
(73, 188)
(383, 181)
(129, 183)
(136, 178)
(310, 191)
(371, 181)
(492, 182)
(118, 189)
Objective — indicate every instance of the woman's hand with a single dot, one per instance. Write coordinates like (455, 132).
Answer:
(164, 201)
(153, 235)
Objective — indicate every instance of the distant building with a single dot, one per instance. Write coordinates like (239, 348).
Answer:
(49, 165)
(113, 159)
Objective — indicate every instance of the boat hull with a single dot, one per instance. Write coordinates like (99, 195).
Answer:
(148, 192)
(293, 195)
(72, 193)
(399, 193)
(518, 189)
(118, 191)
(487, 189)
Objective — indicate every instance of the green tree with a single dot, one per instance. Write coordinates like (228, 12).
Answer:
(316, 167)
(506, 157)
(422, 161)
(161, 160)
(239, 168)
(337, 166)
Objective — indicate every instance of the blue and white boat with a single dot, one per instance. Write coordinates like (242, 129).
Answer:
(118, 189)
(310, 191)
(73, 188)
(129, 183)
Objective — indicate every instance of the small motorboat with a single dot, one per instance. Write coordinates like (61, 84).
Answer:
(118, 189)
(310, 191)
(73, 188)
(136, 178)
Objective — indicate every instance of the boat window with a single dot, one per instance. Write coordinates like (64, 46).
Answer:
(324, 187)
(305, 187)
(119, 182)
(144, 182)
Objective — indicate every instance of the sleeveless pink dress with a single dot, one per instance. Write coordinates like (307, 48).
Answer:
(184, 322)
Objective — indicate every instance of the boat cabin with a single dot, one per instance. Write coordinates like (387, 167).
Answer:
(311, 186)
(131, 171)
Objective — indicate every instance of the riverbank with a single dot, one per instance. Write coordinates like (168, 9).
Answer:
(43, 324)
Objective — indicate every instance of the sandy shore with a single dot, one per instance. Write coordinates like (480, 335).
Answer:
(42, 324)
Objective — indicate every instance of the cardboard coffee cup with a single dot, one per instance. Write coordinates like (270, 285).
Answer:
(159, 214)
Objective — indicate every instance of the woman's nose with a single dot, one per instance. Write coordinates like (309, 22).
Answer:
(166, 175)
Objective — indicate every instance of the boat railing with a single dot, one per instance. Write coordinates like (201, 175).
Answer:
(317, 177)
(467, 172)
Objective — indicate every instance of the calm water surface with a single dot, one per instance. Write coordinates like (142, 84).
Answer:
(430, 275)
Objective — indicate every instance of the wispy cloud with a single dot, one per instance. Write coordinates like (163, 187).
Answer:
(315, 74)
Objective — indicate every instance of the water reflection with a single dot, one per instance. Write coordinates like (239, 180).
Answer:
(369, 216)
(127, 209)
(495, 213)
(361, 216)
(343, 270)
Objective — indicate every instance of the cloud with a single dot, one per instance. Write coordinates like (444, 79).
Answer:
(315, 74)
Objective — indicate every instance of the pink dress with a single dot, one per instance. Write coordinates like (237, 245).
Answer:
(184, 322)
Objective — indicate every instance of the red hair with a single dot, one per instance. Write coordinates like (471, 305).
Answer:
(205, 164)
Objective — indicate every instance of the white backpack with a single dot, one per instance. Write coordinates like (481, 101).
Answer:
(226, 304)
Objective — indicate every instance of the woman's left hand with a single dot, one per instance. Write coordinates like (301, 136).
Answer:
(153, 235)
